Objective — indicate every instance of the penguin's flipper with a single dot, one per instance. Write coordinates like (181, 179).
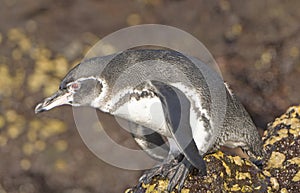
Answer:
(176, 107)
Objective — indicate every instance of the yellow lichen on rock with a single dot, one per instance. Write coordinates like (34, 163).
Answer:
(295, 131)
(274, 183)
(242, 175)
(186, 191)
(287, 118)
(296, 178)
(237, 160)
(276, 160)
(295, 160)
(235, 188)
(162, 185)
(284, 190)
(227, 169)
(218, 155)
(282, 156)
(266, 173)
(247, 188)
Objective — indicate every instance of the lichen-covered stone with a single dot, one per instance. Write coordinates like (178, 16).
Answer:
(226, 173)
(282, 148)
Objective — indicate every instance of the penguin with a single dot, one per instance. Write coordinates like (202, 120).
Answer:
(171, 102)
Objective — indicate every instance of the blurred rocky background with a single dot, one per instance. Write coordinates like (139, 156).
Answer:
(256, 44)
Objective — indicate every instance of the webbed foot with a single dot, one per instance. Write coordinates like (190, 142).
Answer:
(178, 174)
(176, 171)
(161, 170)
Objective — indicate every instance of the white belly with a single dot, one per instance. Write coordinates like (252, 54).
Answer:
(145, 111)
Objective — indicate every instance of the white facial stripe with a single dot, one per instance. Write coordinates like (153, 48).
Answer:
(90, 78)
(98, 102)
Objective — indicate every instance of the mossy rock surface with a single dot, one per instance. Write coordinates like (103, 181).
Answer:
(226, 173)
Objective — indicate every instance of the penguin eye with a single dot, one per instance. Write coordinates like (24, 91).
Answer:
(74, 86)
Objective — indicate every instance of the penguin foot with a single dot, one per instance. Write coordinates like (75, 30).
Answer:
(175, 171)
(178, 174)
(161, 170)
(149, 174)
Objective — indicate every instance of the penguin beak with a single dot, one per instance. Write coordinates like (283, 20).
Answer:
(61, 97)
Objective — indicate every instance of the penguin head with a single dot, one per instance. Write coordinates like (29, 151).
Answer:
(78, 88)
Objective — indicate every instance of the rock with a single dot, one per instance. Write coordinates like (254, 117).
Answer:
(282, 151)
(225, 173)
